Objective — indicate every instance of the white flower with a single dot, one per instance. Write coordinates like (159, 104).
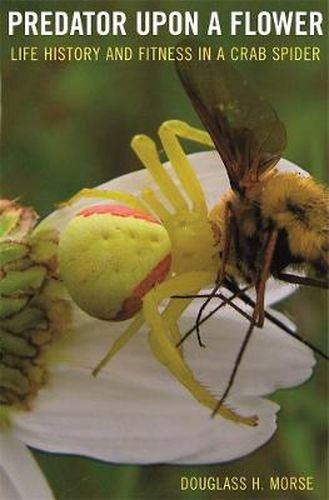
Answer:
(135, 411)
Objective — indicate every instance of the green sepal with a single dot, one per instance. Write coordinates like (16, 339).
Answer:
(27, 280)
(22, 322)
(44, 245)
(8, 221)
(12, 250)
(14, 380)
(16, 221)
(11, 305)
(18, 346)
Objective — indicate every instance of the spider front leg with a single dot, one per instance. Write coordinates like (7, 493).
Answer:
(164, 347)
(95, 193)
(184, 212)
(169, 133)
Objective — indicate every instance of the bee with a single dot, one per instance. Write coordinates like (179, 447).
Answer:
(268, 221)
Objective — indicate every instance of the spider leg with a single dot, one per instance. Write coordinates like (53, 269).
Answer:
(124, 338)
(155, 204)
(169, 133)
(126, 198)
(164, 348)
(146, 151)
(172, 313)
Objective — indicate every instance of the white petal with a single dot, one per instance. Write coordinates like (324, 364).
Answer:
(7, 489)
(135, 412)
(277, 290)
(123, 421)
(273, 359)
(20, 476)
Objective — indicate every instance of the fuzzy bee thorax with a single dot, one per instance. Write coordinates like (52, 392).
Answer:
(298, 206)
(294, 205)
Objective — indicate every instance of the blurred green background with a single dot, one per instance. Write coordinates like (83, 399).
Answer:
(68, 125)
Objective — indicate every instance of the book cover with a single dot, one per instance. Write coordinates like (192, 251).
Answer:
(80, 80)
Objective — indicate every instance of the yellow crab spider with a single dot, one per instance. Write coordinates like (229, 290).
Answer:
(195, 261)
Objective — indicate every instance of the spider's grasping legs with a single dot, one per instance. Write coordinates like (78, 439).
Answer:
(166, 351)
(184, 212)
(146, 150)
(95, 193)
(169, 133)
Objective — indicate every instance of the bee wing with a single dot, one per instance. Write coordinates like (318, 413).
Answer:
(245, 129)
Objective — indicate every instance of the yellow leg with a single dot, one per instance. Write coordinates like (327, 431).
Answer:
(146, 151)
(171, 314)
(165, 350)
(158, 208)
(169, 133)
(133, 328)
(187, 224)
(126, 198)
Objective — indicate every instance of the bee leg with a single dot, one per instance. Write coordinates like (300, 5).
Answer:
(126, 198)
(237, 362)
(302, 280)
(228, 224)
(259, 312)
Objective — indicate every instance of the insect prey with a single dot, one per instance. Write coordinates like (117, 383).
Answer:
(268, 221)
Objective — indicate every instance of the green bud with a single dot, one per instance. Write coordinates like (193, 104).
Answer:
(25, 281)
(11, 305)
(10, 251)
